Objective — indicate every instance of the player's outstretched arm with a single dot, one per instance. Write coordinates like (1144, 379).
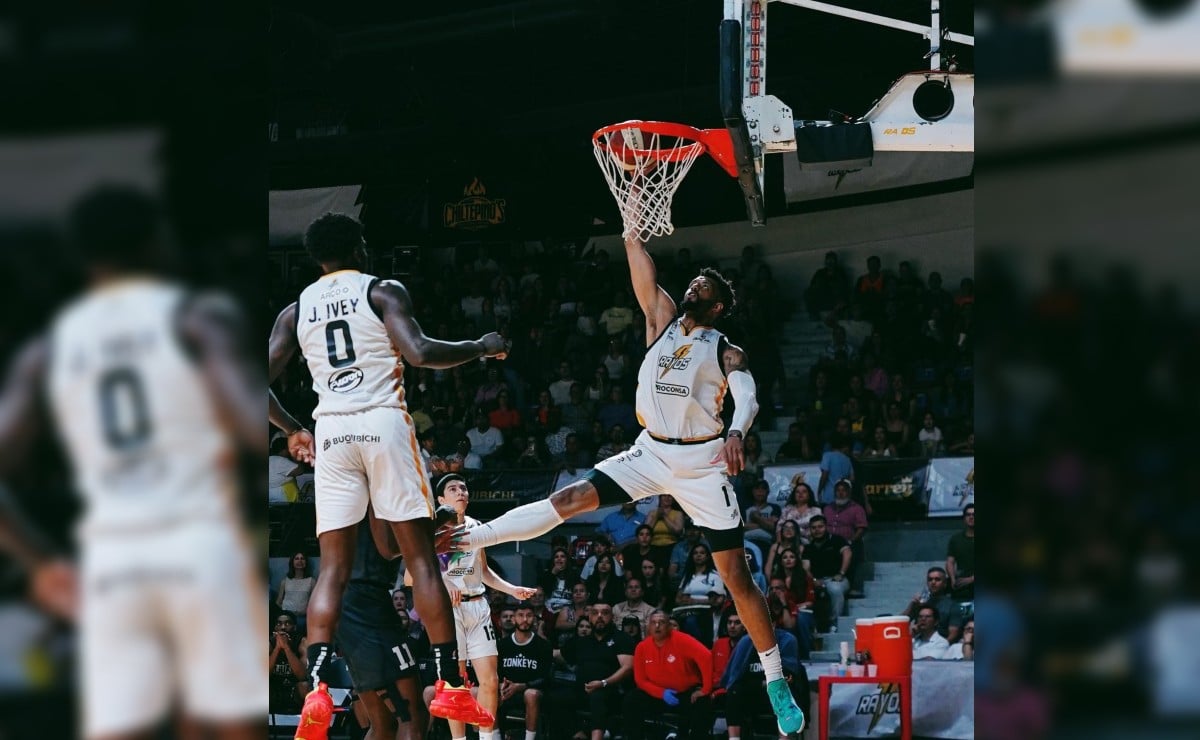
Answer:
(418, 349)
(213, 328)
(656, 304)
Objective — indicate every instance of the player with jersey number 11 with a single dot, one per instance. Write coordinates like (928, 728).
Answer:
(684, 451)
(355, 332)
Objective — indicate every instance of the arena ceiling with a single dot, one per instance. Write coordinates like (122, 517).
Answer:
(394, 97)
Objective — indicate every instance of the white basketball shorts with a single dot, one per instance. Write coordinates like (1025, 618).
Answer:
(369, 456)
(176, 613)
(474, 630)
(687, 472)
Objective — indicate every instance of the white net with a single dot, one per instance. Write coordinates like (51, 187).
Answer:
(643, 169)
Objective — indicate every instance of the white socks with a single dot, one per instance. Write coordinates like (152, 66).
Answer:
(530, 735)
(522, 523)
(772, 667)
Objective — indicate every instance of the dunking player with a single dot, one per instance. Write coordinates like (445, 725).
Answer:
(465, 577)
(681, 385)
(375, 644)
(151, 395)
(355, 332)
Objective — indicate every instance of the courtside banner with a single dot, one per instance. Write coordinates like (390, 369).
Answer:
(900, 480)
(943, 703)
(779, 477)
(494, 492)
(951, 484)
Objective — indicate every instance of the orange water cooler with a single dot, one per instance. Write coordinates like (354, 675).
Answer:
(891, 646)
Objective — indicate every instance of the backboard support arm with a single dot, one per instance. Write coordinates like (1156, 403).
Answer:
(749, 175)
(933, 32)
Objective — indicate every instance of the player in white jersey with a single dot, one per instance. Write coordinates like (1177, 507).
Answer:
(465, 575)
(682, 383)
(355, 333)
(151, 398)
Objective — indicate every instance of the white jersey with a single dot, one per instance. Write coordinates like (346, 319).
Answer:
(462, 573)
(681, 385)
(132, 410)
(353, 364)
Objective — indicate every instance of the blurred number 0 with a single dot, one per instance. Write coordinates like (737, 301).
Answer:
(123, 409)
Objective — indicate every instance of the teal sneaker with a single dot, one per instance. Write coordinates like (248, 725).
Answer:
(789, 716)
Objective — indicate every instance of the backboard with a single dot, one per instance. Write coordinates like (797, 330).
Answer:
(926, 118)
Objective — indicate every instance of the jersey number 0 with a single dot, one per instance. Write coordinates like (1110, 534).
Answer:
(336, 358)
(124, 413)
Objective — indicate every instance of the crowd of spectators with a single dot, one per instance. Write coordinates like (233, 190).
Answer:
(897, 377)
(563, 397)
(607, 604)
(895, 380)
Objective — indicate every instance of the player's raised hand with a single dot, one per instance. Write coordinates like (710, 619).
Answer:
(302, 446)
(731, 452)
(494, 345)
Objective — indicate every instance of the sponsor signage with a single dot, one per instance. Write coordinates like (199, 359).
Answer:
(892, 480)
(943, 704)
(494, 492)
(951, 484)
(475, 210)
(346, 380)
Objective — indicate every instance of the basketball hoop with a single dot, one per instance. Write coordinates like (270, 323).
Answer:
(644, 162)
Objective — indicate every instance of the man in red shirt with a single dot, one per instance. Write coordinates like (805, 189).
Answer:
(723, 646)
(672, 671)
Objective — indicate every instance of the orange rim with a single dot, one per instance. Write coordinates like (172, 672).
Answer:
(715, 141)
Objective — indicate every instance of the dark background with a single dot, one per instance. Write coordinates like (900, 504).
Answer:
(425, 98)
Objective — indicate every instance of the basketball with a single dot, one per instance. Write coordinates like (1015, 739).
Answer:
(623, 146)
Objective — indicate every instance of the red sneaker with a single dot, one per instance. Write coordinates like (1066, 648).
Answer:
(314, 718)
(456, 703)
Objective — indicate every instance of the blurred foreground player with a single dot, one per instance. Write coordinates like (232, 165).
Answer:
(151, 395)
(355, 332)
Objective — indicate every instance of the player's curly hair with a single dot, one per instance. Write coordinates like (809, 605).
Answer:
(333, 238)
(724, 289)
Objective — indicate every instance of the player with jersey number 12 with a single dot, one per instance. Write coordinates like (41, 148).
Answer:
(355, 332)
(465, 575)
(684, 451)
